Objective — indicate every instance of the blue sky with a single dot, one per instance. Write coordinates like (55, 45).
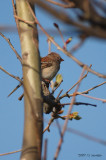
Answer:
(12, 111)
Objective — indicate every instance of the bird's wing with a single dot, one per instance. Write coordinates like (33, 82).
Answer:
(45, 64)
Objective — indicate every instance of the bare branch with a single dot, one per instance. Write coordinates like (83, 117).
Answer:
(70, 5)
(79, 103)
(97, 32)
(56, 87)
(59, 127)
(59, 93)
(20, 98)
(17, 78)
(61, 35)
(15, 13)
(66, 94)
(8, 40)
(86, 92)
(45, 150)
(86, 136)
(25, 21)
(15, 89)
(83, 92)
(78, 45)
(99, 99)
(49, 123)
(82, 134)
(4, 154)
(66, 52)
(66, 120)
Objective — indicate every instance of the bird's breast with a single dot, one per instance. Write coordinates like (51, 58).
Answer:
(50, 72)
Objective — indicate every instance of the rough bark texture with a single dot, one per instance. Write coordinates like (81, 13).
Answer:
(33, 125)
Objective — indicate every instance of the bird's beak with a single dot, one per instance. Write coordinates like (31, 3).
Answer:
(62, 59)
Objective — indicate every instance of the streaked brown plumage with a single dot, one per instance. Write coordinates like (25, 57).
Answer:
(50, 65)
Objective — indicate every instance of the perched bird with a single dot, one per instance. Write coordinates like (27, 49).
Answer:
(50, 65)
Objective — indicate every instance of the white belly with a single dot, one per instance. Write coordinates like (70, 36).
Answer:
(50, 72)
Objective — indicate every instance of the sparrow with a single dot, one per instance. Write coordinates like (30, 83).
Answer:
(50, 65)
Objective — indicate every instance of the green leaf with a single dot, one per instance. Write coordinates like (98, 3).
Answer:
(59, 78)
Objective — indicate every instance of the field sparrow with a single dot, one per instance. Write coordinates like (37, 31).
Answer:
(50, 65)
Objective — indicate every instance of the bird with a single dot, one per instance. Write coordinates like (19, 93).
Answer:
(50, 65)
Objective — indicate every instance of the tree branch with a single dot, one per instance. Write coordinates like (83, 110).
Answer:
(8, 40)
(11, 75)
(66, 52)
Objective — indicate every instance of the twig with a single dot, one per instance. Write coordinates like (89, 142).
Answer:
(101, 6)
(20, 98)
(57, 87)
(15, 89)
(49, 123)
(66, 94)
(78, 103)
(27, 22)
(82, 134)
(8, 40)
(45, 150)
(62, 16)
(49, 46)
(57, 26)
(99, 99)
(78, 45)
(64, 51)
(70, 5)
(59, 127)
(4, 154)
(17, 78)
(59, 93)
(85, 92)
(15, 13)
(78, 81)
(66, 120)
(55, 115)
(79, 93)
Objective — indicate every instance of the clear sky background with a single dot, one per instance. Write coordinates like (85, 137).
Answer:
(93, 122)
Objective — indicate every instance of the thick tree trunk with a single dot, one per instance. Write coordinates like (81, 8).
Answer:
(33, 125)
